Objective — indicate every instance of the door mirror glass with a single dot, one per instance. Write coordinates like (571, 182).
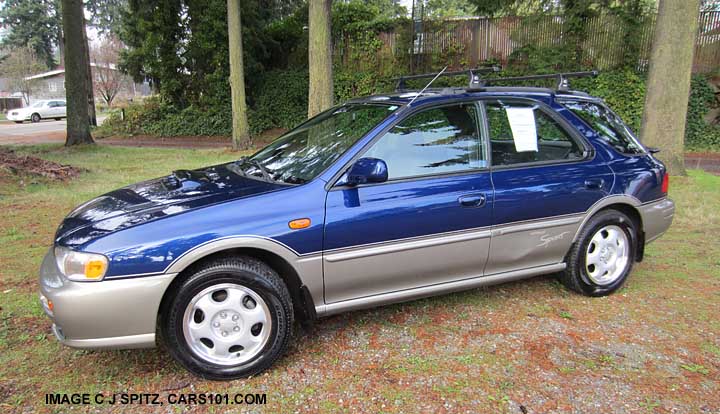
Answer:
(367, 170)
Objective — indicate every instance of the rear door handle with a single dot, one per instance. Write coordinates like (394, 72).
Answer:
(472, 200)
(594, 183)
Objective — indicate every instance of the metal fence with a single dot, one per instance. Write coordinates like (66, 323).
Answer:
(467, 42)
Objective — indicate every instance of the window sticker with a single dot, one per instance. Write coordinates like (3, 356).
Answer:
(522, 123)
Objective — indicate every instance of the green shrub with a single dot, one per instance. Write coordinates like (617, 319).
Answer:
(348, 85)
(154, 117)
(623, 91)
(279, 100)
(699, 135)
(192, 121)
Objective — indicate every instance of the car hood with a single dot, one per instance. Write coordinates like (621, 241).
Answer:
(181, 191)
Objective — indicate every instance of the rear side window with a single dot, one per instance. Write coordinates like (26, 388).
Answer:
(532, 137)
(608, 125)
(434, 141)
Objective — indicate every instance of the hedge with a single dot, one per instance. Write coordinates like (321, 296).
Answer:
(279, 100)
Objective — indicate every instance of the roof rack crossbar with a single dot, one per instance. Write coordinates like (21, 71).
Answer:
(473, 75)
(563, 84)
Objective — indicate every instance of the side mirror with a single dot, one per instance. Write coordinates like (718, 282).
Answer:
(367, 170)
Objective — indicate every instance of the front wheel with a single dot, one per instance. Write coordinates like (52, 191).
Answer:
(35, 118)
(231, 318)
(601, 259)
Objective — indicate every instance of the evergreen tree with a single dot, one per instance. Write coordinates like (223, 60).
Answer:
(34, 24)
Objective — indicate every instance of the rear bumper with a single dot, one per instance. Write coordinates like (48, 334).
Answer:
(108, 314)
(657, 216)
(20, 117)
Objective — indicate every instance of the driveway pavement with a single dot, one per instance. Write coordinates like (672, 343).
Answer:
(30, 133)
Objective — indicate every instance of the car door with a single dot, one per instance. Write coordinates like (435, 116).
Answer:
(428, 224)
(541, 195)
(47, 109)
(60, 109)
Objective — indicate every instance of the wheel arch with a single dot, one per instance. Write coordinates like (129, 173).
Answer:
(627, 205)
(301, 274)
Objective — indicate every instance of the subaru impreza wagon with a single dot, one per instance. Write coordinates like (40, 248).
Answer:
(382, 199)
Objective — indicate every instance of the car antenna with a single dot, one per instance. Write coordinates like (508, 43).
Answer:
(426, 86)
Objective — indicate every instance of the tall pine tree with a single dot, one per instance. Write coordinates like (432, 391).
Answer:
(34, 24)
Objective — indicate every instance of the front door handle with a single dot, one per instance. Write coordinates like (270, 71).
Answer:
(472, 200)
(594, 183)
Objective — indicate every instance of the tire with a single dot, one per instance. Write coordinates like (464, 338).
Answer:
(204, 342)
(58, 119)
(595, 265)
(35, 117)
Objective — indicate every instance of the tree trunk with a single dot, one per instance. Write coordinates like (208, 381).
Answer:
(91, 96)
(61, 41)
(668, 86)
(76, 82)
(240, 128)
(320, 94)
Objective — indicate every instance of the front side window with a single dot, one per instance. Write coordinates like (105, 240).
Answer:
(522, 133)
(609, 126)
(306, 151)
(434, 141)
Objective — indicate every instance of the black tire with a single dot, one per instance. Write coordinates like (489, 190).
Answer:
(35, 117)
(58, 119)
(575, 277)
(244, 271)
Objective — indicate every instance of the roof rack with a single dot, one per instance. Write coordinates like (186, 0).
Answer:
(473, 75)
(563, 84)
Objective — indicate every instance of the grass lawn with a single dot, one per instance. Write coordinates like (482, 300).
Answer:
(652, 347)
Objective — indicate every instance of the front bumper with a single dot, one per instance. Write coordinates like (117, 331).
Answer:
(657, 216)
(108, 314)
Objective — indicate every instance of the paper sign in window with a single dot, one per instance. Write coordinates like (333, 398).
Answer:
(522, 124)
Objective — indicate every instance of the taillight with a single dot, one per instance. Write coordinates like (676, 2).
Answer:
(666, 183)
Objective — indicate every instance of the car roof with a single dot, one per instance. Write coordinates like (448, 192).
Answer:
(404, 97)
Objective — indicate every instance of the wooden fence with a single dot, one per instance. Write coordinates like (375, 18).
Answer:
(7, 104)
(468, 42)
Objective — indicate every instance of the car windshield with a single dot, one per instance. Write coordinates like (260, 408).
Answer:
(303, 153)
(38, 104)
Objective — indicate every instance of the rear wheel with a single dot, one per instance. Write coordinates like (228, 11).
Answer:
(601, 259)
(231, 318)
(35, 117)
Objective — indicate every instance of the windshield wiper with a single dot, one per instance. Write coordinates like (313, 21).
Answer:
(264, 171)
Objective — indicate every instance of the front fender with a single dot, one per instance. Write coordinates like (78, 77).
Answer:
(308, 267)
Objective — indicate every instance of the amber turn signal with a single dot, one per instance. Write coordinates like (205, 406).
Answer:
(299, 223)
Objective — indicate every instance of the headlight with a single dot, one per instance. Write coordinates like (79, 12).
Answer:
(81, 266)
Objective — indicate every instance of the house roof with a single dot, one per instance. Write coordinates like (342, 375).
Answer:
(46, 74)
(61, 71)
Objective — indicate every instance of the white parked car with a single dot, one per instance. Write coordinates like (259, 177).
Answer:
(49, 109)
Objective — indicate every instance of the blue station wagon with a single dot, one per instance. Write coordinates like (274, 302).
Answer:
(382, 199)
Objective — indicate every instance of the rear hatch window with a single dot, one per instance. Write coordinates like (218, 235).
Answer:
(608, 125)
